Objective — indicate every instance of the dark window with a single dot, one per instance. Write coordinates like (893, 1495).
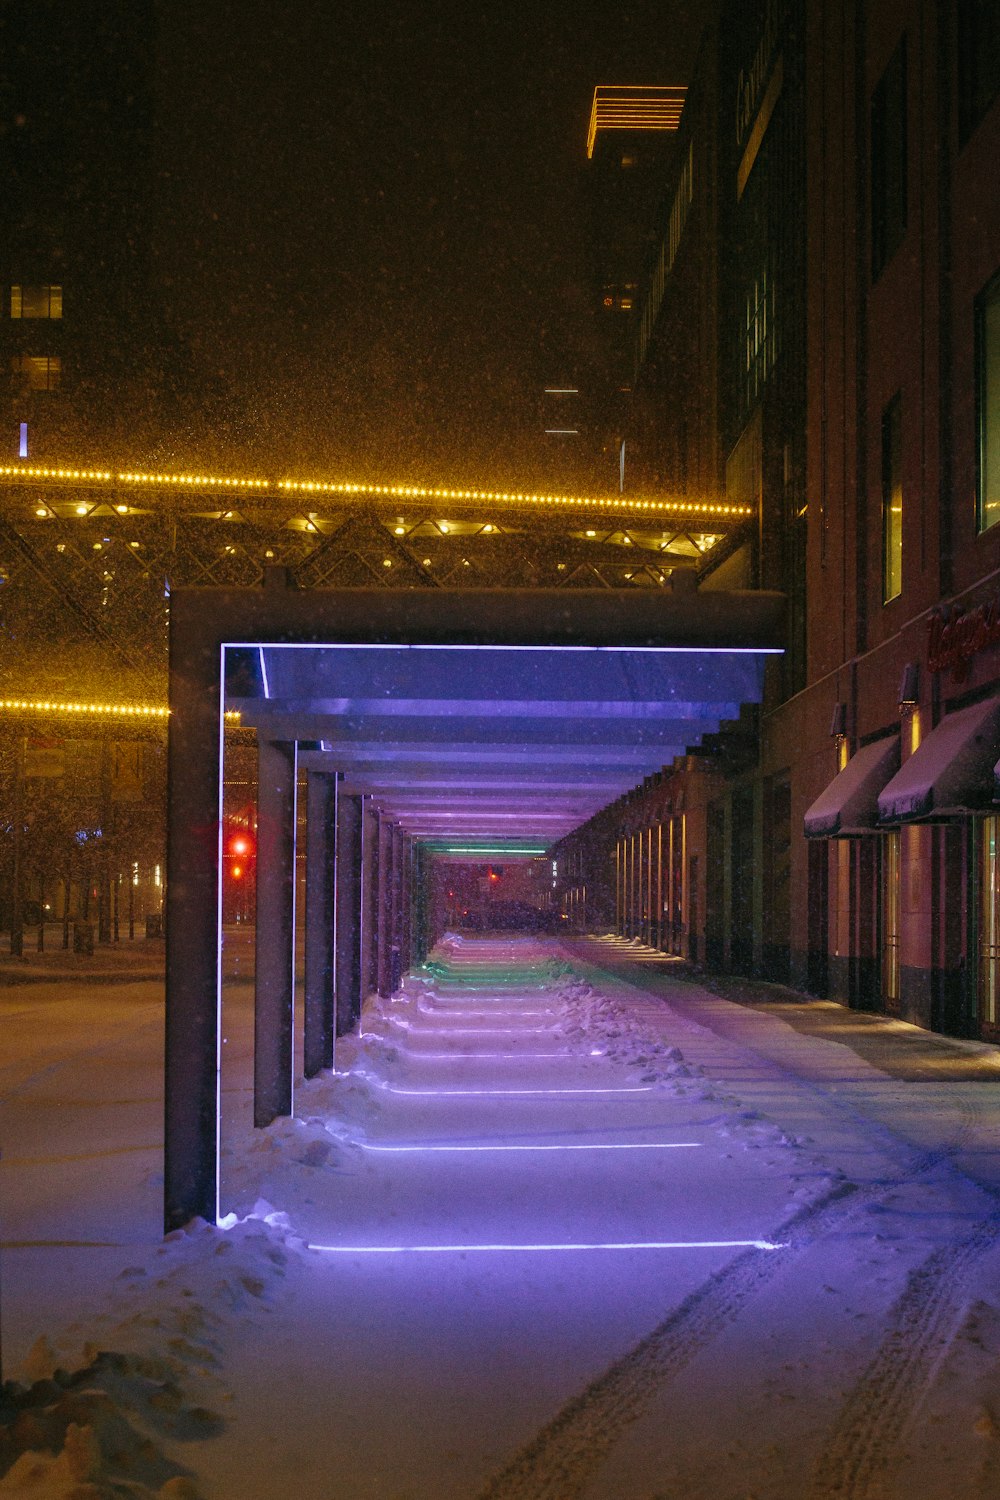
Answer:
(988, 406)
(892, 500)
(889, 161)
(978, 61)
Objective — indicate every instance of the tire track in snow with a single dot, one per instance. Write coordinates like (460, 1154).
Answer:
(864, 1447)
(557, 1463)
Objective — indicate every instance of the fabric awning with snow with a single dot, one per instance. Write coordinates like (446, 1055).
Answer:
(952, 772)
(849, 805)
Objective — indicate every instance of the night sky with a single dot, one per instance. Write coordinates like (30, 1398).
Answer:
(372, 221)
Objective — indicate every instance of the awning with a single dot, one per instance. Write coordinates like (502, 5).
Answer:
(952, 772)
(849, 805)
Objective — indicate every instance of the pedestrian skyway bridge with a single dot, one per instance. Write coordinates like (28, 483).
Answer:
(90, 553)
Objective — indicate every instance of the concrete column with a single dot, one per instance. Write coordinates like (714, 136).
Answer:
(321, 867)
(347, 948)
(274, 984)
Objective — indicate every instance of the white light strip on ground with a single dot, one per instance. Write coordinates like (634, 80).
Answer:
(379, 1083)
(593, 1146)
(609, 1245)
(483, 1031)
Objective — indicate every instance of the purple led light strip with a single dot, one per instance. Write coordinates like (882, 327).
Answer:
(608, 1245)
(591, 1146)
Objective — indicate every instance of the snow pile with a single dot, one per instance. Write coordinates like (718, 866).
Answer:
(593, 1019)
(112, 1418)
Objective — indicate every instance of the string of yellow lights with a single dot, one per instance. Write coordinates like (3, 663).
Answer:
(50, 706)
(618, 503)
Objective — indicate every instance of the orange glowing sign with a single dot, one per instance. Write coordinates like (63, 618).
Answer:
(638, 107)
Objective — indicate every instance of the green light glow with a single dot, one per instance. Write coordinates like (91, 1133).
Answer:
(484, 849)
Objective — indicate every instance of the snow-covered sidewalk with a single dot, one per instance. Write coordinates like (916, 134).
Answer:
(541, 1236)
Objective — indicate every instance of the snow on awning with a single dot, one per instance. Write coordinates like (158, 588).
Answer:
(952, 772)
(849, 805)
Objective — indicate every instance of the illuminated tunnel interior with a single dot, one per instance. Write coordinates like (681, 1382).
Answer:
(478, 728)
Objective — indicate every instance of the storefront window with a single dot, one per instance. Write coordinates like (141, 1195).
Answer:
(989, 925)
(890, 919)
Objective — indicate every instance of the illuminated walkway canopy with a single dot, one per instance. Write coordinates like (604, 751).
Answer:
(427, 722)
(523, 742)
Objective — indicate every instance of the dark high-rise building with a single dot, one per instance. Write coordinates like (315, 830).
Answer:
(629, 143)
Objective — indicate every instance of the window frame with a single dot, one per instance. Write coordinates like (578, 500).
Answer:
(52, 295)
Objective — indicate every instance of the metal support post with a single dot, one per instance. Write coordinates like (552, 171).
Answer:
(347, 951)
(396, 908)
(384, 925)
(369, 897)
(321, 866)
(275, 948)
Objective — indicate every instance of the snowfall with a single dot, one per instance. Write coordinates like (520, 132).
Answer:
(564, 1222)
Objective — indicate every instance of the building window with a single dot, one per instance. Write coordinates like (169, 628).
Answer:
(978, 62)
(36, 301)
(759, 338)
(989, 924)
(988, 406)
(33, 372)
(892, 500)
(888, 126)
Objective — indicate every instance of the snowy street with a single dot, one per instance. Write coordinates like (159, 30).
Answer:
(562, 1224)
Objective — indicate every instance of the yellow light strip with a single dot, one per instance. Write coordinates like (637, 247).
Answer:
(115, 710)
(516, 497)
(397, 491)
(200, 481)
(106, 710)
(32, 471)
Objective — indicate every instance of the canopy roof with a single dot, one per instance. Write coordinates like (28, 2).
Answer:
(517, 743)
(509, 715)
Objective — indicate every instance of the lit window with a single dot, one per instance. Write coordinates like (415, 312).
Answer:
(629, 159)
(988, 406)
(890, 913)
(36, 301)
(989, 925)
(34, 372)
(892, 500)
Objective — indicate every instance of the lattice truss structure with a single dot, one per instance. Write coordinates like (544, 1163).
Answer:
(89, 557)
